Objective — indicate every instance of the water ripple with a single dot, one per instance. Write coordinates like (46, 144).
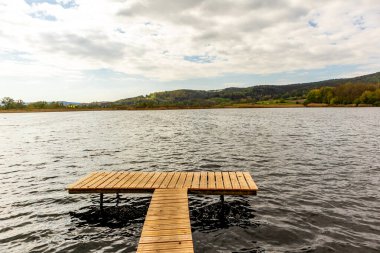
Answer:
(318, 171)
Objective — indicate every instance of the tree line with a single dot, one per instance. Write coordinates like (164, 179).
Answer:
(348, 93)
(8, 103)
(358, 90)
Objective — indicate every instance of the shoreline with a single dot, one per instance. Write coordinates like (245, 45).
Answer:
(238, 106)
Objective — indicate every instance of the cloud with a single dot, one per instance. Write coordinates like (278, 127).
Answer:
(92, 46)
(165, 41)
(43, 16)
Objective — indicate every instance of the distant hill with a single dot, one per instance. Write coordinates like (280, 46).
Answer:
(65, 103)
(186, 97)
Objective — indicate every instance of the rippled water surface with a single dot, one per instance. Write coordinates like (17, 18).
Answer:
(318, 171)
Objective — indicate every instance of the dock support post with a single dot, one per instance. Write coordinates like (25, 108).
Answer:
(222, 199)
(117, 199)
(222, 207)
(101, 202)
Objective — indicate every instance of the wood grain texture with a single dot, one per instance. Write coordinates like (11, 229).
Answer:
(205, 182)
(167, 227)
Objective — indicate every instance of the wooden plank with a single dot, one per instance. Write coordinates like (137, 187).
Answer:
(124, 180)
(152, 180)
(219, 180)
(223, 192)
(95, 180)
(90, 180)
(143, 182)
(168, 196)
(166, 246)
(174, 180)
(226, 180)
(168, 201)
(128, 181)
(175, 214)
(165, 238)
(181, 180)
(210, 180)
(112, 181)
(189, 180)
(165, 219)
(187, 250)
(82, 180)
(137, 180)
(165, 196)
(242, 182)
(196, 179)
(166, 222)
(178, 231)
(167, 231)
(234, 180)
(118, 179)
(203, 181)
(168, 193)
(180, 218)
(166, 181)
(168, 207)
(171, 206)
(158, 226)
(252, 185)
(104, 178)
(159, 180)
(167, 211)
(112, 177)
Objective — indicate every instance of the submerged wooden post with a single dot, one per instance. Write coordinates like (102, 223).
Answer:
(117, 199)
(101, 202)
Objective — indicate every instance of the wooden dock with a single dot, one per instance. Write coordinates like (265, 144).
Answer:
(215, 183)
(167, 224)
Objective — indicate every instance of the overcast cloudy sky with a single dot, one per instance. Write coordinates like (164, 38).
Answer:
(93, 50)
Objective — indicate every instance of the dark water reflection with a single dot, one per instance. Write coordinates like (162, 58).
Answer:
(318, 171)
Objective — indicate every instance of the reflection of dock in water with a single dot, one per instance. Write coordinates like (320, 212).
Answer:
(167, 224)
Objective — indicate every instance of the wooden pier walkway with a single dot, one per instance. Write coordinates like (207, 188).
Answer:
(167, 224)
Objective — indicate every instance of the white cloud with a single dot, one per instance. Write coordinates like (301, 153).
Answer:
(155, 39)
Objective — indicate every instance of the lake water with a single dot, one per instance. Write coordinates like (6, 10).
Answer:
(318, 171)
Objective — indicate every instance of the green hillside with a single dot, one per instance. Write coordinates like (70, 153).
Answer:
(228, 96)
(358, 90)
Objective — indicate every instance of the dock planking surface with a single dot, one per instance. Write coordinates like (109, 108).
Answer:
(167, 223)
(219, 183)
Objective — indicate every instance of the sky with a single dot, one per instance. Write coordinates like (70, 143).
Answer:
(105, 50)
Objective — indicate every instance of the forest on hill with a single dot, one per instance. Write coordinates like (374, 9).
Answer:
(254, 94)
(358, 90)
